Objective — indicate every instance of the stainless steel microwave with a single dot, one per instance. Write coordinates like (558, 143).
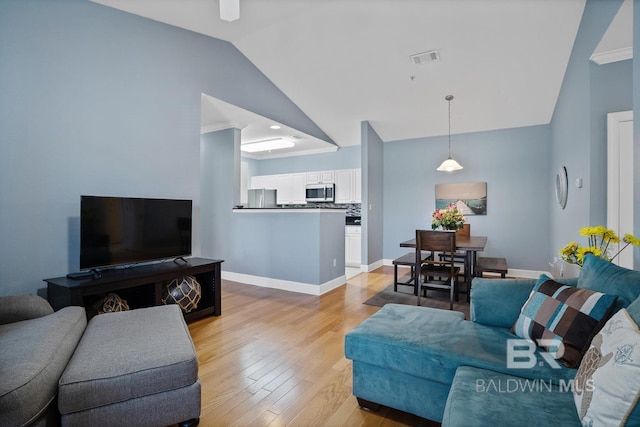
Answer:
(320, 192)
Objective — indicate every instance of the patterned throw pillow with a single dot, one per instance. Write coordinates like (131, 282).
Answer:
(607, 385)
(563, 319)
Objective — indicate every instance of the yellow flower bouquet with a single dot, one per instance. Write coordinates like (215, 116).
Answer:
(599, 240)
(449, 218)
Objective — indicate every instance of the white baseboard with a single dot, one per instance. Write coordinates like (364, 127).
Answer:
(369, 268)
(306, 288)
(285, 285)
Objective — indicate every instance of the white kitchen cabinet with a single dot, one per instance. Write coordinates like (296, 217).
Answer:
(352, 246)
(298, 187)
(291, 186)
(348, 186)
(255, 182)
(357, 185)
(320, 177)
(291, 189)
(270, 182)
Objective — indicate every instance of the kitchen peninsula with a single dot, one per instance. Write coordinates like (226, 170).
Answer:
(296, 249)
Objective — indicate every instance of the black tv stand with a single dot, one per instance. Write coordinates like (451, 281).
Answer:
(96, 273)
(141, 286)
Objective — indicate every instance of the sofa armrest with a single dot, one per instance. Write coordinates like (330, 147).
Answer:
(23, 307)
(497, 302)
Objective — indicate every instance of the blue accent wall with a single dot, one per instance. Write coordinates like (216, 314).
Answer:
(577, 139)
(373, 195)
(219, 172)
(636, 128)
(98, 101)
(513, 163)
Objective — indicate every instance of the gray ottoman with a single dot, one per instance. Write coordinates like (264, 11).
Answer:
(136, 368)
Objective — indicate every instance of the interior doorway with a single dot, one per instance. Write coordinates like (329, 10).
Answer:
(620, 179)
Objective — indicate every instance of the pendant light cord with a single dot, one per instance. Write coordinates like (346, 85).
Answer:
(450, 164)
(449, 98)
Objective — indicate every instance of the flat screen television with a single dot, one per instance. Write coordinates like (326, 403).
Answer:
(125, 230)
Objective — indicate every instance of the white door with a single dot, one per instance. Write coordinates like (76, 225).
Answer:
(620, 179)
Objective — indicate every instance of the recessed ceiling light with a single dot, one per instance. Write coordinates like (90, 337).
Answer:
(266, 145)
(275, 127)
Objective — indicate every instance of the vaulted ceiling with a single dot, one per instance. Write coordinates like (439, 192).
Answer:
(344, 61)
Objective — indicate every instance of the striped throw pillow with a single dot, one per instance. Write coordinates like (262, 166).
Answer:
(563, 319)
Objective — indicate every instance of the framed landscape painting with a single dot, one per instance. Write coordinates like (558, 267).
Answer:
(469, 197)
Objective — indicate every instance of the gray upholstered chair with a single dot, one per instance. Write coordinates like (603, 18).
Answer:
(36, 344)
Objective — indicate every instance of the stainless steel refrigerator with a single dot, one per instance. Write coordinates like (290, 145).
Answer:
(262, 198)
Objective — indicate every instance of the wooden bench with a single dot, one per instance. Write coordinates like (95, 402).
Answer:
(406, 260)
(491, 265)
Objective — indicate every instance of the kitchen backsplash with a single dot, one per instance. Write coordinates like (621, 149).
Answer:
(353, 209)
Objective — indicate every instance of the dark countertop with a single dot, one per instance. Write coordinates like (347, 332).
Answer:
(292, 207)
(309, 209)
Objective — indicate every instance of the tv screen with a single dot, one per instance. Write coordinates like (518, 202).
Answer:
(120, 230)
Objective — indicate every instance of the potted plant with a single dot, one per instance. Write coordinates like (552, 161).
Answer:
(599, 241)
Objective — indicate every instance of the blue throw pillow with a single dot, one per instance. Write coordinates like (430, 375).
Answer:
(634, 311)
(600, 275)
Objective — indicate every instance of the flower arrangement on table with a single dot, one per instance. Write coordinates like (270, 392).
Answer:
(449, 218)
(599, 240)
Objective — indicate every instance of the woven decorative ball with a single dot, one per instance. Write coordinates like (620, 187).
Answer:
(111, 304)
(184, 291)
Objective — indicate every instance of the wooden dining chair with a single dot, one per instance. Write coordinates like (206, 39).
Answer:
(436, 273)
(461, 260)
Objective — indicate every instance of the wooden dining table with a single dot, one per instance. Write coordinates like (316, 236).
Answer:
(471, 245)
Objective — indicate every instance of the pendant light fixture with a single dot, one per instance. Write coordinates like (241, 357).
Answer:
(449, 165)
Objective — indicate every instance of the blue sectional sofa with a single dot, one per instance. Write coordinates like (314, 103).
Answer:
(437, 365)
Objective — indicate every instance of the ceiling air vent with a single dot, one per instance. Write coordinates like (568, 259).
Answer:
(421, 58)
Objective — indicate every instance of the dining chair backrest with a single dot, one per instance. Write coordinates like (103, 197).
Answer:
(465, 230)
(436, 272)
(435, 241)
(441, 242)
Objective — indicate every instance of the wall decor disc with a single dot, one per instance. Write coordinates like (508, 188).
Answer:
(562, 187)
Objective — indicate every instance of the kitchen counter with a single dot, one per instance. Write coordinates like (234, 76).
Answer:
(290, 210)
(295, 249)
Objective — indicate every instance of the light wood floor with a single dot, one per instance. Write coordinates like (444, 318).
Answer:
(276, 358)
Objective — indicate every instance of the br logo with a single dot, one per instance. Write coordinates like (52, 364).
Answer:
(521, 354)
